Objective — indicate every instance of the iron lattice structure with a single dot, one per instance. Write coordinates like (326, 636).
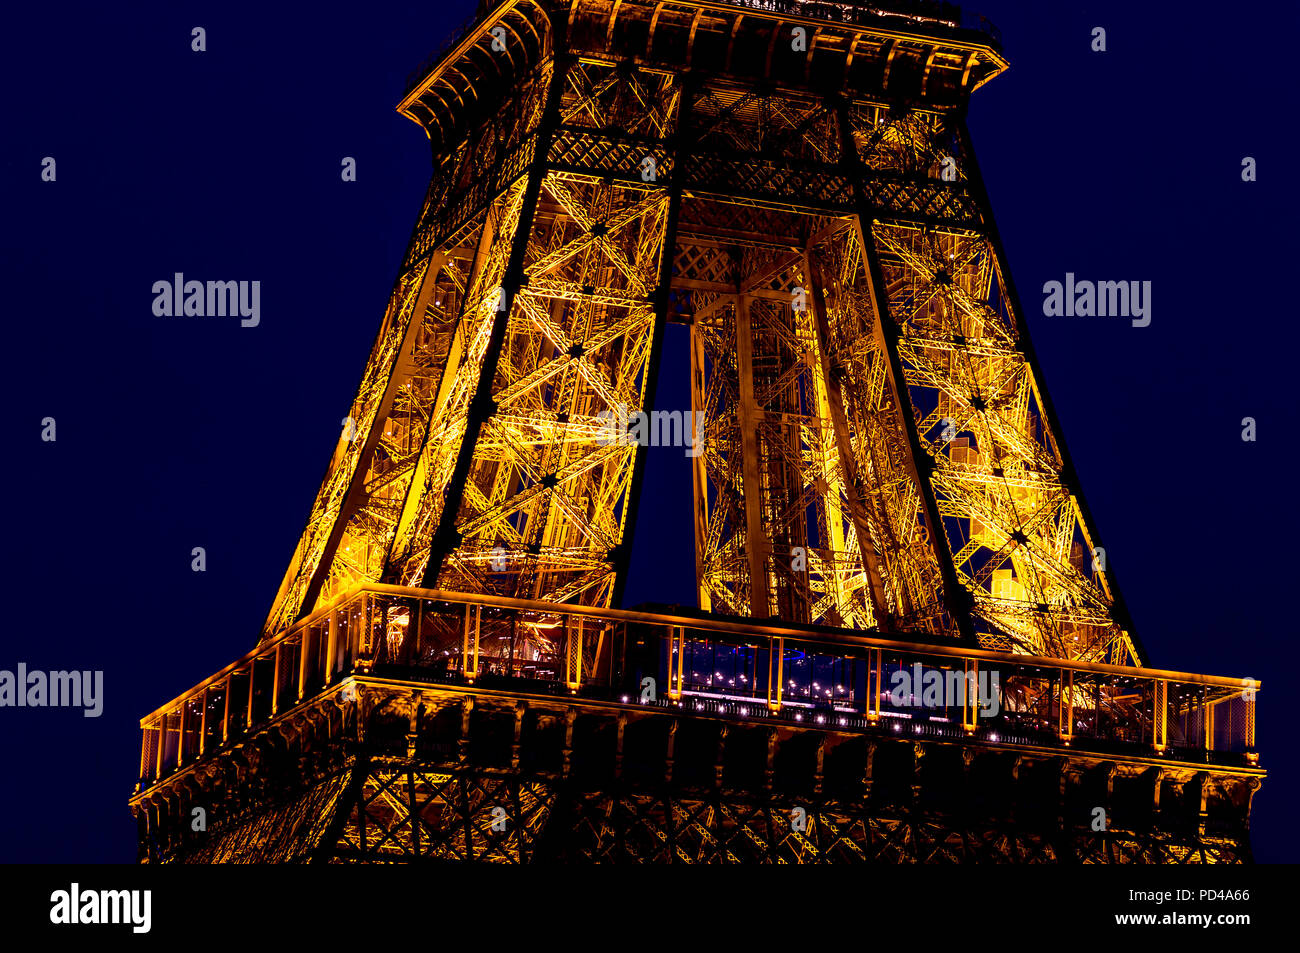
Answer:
(796, 183)
(870, 402)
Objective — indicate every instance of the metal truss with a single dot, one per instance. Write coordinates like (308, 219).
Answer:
(878, 452)
(871, 383)
(408, 815)
(405, 813)
(1012, 527)
(650, 829)
(381, 808)
(477, 454)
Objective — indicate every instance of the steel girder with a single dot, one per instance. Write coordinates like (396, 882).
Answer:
(865, 377)
(878, 451)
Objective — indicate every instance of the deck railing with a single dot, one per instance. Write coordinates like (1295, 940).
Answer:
(713, 666)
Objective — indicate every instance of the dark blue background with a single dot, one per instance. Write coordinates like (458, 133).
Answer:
(225, 165)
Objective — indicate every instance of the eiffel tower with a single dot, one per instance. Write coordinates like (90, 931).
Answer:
(907, 645)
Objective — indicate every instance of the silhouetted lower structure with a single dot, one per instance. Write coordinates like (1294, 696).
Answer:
(404, 725)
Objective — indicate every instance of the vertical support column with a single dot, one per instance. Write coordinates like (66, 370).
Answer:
(469, 646)
(466, 661)
(144, 750)
(203, 723)
(1209, 726)
(275, 679)
(775, 673)
(1160, 715)
(162, 744)
(252, 694)
(969, 704)
(183, 723)
(756, 542)
(676, 658)
(304, 642)
(331, 645)
(1248, 717)
(225, 714)
(573, 653)
(364, 639)
(875, 663)
(1065, 725)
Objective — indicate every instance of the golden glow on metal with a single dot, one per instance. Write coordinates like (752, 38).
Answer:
(882, 488)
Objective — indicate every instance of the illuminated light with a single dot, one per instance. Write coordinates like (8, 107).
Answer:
(542, 625)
